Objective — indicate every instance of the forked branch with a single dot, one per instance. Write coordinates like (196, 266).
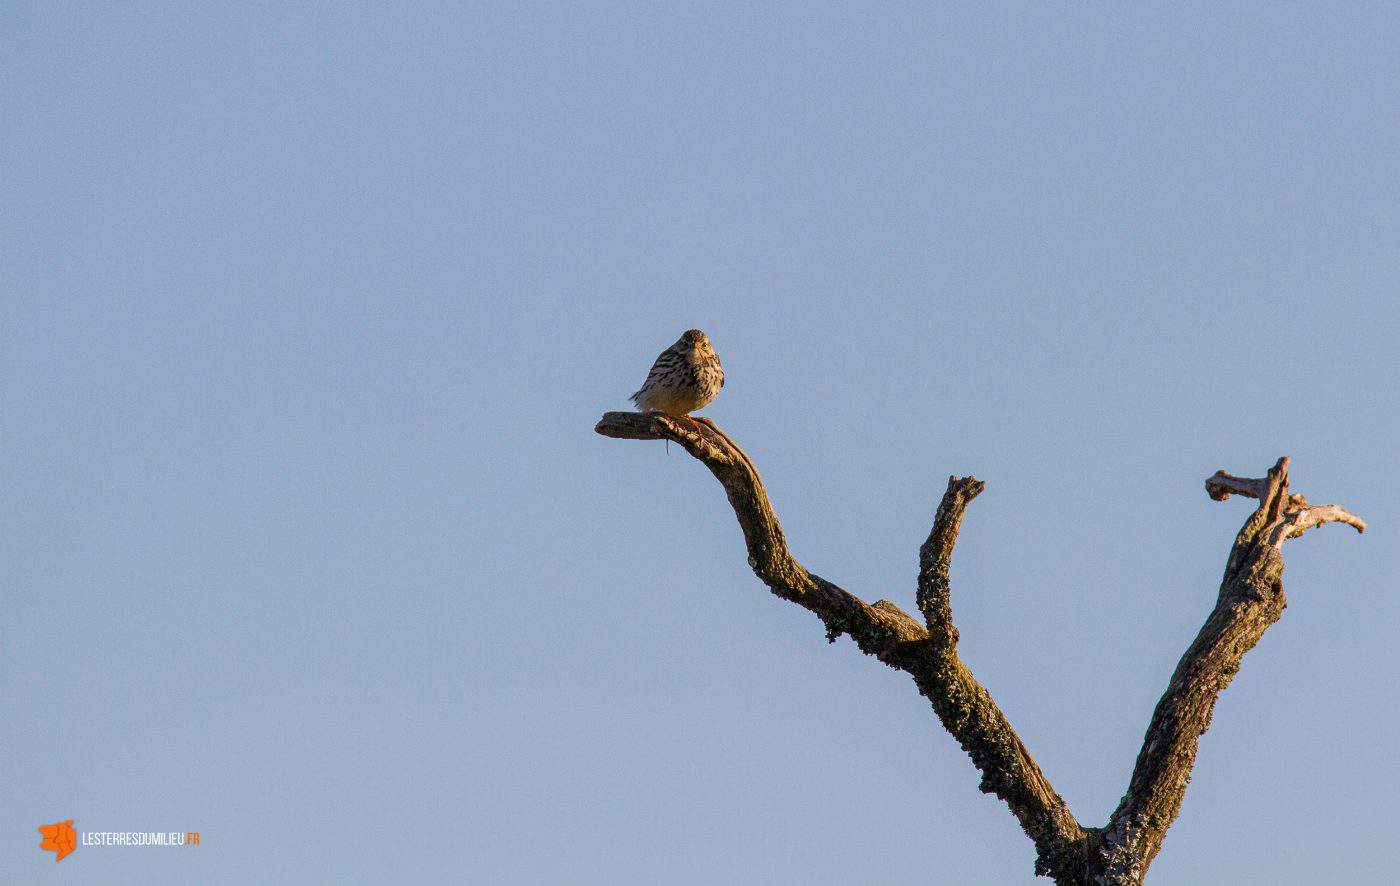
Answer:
(1251, 598)
(927, 653)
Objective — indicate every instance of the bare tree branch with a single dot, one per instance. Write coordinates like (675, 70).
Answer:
(887, 632)
(1251, 598)
(878, 629)
(968, 712)
(1300, 515)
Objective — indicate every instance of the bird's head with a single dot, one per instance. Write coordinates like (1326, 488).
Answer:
(693, 340)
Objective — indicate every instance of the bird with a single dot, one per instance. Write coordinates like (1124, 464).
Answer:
(686, 377)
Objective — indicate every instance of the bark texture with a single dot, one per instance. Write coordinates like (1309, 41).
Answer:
(1251, 598)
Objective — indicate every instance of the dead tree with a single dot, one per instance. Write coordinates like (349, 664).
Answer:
(1119, 853)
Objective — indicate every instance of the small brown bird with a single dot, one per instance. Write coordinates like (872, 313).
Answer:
(684, 378)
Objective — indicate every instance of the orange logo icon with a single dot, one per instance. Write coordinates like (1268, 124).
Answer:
(60, 838)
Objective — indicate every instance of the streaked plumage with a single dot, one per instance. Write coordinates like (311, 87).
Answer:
(684, 378)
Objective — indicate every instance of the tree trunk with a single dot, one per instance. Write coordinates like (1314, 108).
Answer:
(1119, 853)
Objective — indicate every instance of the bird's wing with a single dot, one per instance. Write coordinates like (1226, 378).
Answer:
(665, 364)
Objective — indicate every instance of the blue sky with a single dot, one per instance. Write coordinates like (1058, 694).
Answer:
(309, 310)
